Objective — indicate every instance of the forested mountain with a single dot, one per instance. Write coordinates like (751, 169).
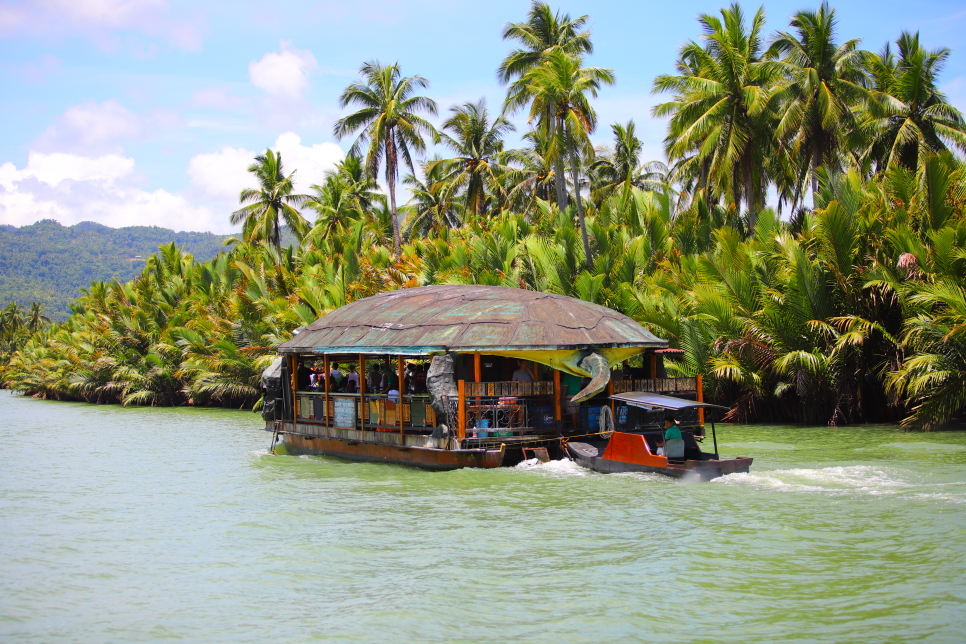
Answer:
(49, 263)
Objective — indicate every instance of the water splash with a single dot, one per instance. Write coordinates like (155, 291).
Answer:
(563, 468)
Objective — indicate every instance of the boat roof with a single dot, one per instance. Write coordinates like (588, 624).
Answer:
(436, 319)
(660, 401)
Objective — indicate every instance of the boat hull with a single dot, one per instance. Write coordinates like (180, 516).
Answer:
(422, 457)
(591, 457)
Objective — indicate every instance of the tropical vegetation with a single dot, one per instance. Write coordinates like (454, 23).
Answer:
(841, 302)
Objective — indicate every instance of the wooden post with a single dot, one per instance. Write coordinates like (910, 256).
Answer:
(461, 409)
(613, 403)
(362, 392)
(699, 385)
(293, 365)
(328, 377)
(399, 404)
(556, 396)
(477, 373)
(653, 366)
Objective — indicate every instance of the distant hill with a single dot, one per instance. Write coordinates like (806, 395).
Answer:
(49, 263)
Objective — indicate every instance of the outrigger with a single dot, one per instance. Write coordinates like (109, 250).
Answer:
(636, 451)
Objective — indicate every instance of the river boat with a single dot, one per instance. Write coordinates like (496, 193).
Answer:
(452, 392)
(637, 451)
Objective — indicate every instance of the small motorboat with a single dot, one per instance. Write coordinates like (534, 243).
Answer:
(636, 450)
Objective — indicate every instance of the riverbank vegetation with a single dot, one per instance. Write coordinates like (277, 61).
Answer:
(842, 302)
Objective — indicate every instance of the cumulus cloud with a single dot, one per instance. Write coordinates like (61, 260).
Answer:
(73, 188)
(224, 174)
(101, 20)
(285, 73)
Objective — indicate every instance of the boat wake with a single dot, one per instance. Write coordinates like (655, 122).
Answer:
(847, 481)
(564, 468)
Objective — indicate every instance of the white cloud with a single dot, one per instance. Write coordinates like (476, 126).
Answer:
(91, 125)
(285, 73)
(97, 128)
(311, 163)
(52, 169)
(73, 188)
(100, 19)
(224, 174)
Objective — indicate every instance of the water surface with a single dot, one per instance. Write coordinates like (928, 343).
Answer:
(143, 525)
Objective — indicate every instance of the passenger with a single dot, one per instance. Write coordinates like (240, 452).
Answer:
(571, 386)
(389, 379)
(303, 377)
(353, 377)
(393, 395)
(374, 379)
(420, 378)
(523, 373)
(336, 374)
(672, 431)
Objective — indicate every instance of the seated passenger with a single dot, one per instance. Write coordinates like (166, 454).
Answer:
(671, 431)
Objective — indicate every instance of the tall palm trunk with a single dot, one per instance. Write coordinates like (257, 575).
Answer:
(750, 200)
(391, 184)
(560, 183)
(817, 153)
(559, 180)
(580, 208)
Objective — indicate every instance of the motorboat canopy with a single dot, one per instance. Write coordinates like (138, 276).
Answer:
(648, 400)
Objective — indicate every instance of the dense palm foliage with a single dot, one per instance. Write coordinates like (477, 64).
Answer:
(853, 310)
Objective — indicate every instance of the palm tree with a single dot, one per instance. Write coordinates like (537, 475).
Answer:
(560, 87)
(910, 116)
(433, 202)
(622, 168)
(721, 115)
(543, 32)
(334, 205)
(391, 129)
(827, 83)
(480, 159)
(273, 200)
(535, 177)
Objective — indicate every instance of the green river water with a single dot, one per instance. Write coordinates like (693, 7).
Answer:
(145, 525)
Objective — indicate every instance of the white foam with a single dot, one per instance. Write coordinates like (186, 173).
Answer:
(848, 479)
(561, 468)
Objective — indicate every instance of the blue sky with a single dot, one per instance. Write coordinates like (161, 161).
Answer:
(147, 112)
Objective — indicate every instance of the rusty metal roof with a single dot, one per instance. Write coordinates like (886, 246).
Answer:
(432, 319)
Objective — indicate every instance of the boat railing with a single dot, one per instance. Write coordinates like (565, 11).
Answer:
(657, 385)
(377, 412)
